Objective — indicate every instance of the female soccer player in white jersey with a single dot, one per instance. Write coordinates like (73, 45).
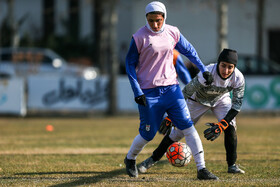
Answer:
(216, 97)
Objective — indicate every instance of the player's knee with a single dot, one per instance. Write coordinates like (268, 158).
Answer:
(147, 137)
(184, 124)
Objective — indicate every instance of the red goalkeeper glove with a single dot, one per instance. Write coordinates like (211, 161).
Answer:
(215, 130)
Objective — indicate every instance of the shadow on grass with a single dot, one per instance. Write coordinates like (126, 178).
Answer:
(60, 172)
(82, 180)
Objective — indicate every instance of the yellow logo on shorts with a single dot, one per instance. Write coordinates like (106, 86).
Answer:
(148, 127)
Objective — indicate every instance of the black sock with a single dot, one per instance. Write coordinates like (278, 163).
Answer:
(231, 145)
(161, 149)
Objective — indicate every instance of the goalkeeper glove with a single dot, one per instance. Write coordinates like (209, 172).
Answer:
(165, 126)
(141, 100)
(208, 77)
(215, 130)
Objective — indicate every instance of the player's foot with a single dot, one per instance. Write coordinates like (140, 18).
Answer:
(146, 164)
(235, 169)
(204, 174)
(131, 168)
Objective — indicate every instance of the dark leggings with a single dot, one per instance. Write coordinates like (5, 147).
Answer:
(230, 145)
(161, 149)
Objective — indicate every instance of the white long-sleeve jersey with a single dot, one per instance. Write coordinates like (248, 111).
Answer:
(219, 89)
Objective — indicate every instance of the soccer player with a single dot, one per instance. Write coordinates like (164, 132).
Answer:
(153, 78)
(185, 76)
(201, 98)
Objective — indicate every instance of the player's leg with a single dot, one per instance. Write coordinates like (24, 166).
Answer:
(180, 116)
(178, 112)
(194, 142)
(230, 136)
(170, 97)
(150, 117)
(231, 150)
(130, 160)
(166, 142)
(197, 111)
(160, 150)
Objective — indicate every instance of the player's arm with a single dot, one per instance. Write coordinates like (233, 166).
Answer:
(237, 97)
(217, 128)
(237, 100)
(191, 88)
(131, 62)
(182, 71)
(187, 49)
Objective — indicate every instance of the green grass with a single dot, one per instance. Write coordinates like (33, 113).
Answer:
(90, 152)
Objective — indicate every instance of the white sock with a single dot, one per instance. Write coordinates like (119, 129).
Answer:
(194, 142)
(136, 147)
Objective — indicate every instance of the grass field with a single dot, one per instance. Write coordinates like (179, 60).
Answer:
(90, 152)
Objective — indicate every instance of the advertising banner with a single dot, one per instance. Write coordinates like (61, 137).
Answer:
(71, 93)
(67, 93)
(262, 93)
(75, 94)
(12, 96)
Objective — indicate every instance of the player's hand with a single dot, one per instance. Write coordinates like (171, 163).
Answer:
(208, 77)
(141, 100)
(215, 130)
(165, 126)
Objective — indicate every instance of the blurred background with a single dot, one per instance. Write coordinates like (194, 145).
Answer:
(68, 56)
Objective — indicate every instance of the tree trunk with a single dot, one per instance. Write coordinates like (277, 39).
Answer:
(101, 35)
(97, 16)
(260, 13)
(48, 18)
(14, 40)
(74, 25)
(113, 60)
(222, 6)
(105, 39)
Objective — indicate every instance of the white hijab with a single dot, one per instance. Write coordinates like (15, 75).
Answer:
(159, 7)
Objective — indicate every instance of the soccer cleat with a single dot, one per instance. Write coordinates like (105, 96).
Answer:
(131, 168)
(204, 174)
(235, 169)
(146, 164)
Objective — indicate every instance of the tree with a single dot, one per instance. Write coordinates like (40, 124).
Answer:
(113, 60)
(48, 19)
(9, 27)
(100, 34)
(260, 13)
(222, 6)
(105, 21)
(74, 25)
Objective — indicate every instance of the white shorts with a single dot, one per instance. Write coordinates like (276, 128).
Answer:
(197, 110)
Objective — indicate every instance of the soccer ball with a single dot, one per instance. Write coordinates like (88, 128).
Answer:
(179, 154)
